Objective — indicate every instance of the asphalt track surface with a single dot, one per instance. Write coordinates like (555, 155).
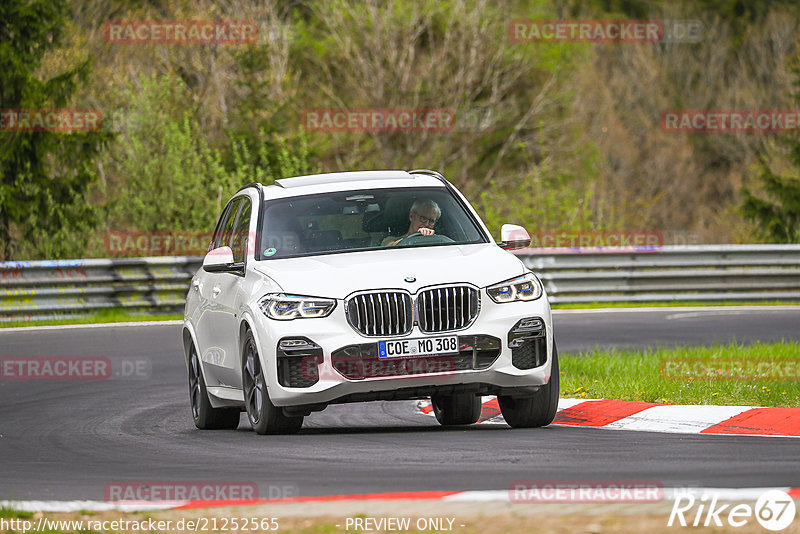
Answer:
(66, 440)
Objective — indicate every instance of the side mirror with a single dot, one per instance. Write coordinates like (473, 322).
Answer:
(218, 260)
(513, 237)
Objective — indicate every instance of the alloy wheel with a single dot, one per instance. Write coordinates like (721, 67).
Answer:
(254, 384)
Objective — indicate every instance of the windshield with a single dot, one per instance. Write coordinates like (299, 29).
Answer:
(364, 220)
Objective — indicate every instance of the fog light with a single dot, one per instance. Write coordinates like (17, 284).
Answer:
(529, 323)
(298, 362)
(528, 343)
(296, 343)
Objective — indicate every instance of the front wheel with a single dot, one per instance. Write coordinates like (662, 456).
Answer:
(536, 410)
(205, 416)
(265, 417)
(458, 409)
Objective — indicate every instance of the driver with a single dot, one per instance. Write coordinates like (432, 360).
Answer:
(422, 217)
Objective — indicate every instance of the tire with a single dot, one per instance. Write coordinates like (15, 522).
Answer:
(205, 416)
(458, 409)
(264, 417)
(537, 410)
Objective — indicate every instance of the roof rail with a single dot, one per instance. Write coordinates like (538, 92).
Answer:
(428, 172)
(341, 177)
(251, 184)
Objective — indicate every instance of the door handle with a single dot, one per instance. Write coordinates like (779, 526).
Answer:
(215, 292)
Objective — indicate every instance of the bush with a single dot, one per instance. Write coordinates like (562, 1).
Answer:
(165, 174)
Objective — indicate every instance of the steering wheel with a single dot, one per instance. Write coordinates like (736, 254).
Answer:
(416, 237)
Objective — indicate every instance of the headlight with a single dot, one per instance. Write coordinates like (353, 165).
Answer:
(287, 307)
(525, 287)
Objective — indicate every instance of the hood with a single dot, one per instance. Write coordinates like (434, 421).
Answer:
(338, 275)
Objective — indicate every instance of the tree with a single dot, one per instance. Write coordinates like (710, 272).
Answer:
(265, 103)
(164, 174)
(44, 175)
(777, 215)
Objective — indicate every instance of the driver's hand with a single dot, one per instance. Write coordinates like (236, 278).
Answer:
(426, 231)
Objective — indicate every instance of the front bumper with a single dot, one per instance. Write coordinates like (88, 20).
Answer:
(342, 368)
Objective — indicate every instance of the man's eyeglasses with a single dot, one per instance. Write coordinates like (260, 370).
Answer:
(425, 220)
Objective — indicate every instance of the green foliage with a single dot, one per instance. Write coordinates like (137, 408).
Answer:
(262, 148)
(741, 14)
(571, 140)
(6, 511)
(45, 176)
(273, 157)
(173, 179)
(777, 215)
(547, 198)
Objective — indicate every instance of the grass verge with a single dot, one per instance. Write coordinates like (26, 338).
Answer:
(114, 315)
(762, 374)
(676, 303)
(6, 512)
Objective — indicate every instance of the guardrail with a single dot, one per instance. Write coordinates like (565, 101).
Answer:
(31, 290)
(696, 273)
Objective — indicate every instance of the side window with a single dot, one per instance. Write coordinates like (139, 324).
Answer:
(227, 230)
(241, 233)
(218, 229)
(223, 219)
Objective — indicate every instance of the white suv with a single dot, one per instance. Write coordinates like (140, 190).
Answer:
(359, 286)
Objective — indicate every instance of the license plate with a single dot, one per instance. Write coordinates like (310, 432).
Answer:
(424, 346)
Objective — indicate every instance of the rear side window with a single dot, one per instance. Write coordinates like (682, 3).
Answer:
(241, 233)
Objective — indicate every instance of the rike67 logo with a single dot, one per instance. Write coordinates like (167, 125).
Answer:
(774, 510)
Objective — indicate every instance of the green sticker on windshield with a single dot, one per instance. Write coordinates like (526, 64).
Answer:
(270, 251)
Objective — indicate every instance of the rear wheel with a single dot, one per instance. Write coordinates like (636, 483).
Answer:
(458, 409)
(265, 417)
(205, 416)
(537, 410)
